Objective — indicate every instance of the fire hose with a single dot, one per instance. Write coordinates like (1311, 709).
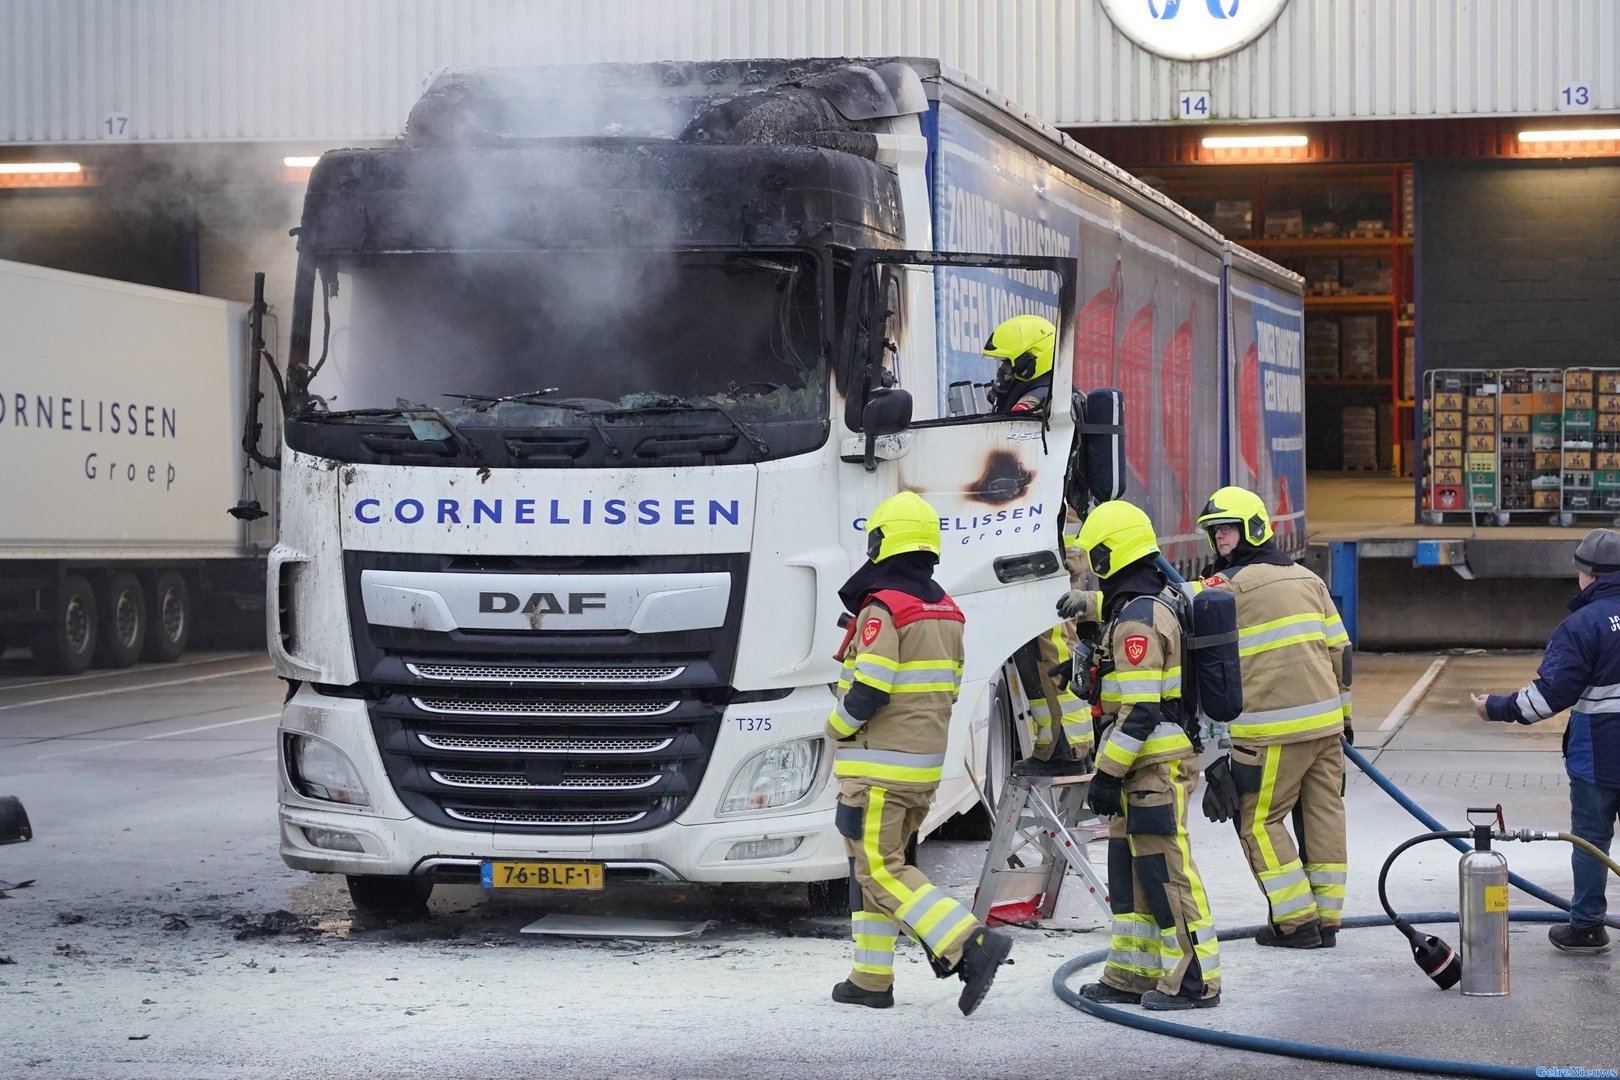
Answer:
(1340, 1054)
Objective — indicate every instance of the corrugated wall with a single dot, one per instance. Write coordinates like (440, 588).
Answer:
(326, 70)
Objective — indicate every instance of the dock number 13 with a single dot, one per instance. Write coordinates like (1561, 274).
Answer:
(1192, 105)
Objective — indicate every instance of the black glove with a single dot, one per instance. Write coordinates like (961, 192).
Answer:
(1061, 674)
(1221, 801)
(1349, 732)
(1106, 795)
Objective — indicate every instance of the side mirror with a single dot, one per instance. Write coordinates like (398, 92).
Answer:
(887, 412)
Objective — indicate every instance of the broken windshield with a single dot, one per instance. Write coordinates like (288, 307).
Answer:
(502, 339)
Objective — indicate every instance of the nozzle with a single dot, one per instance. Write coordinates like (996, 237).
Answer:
(1438, 960)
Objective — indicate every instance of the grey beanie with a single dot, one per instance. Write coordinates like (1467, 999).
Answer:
(1599, 553)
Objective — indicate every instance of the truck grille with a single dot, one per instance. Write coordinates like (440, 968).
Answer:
(530, 673)
(583, 707)
(540, 818)
(519, 780)
(547, 763)
(518, 744)
(545, 731)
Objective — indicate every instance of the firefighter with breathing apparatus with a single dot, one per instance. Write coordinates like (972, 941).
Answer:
(902, 659)
(1286, 760)
(1024, 347)
(1163, 953)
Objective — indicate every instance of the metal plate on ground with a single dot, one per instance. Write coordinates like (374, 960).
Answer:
(608, 926)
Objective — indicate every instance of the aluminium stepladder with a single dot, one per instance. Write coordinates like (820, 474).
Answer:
(1036, 814)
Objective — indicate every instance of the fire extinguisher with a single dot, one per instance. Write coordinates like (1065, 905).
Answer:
(1482, 911)
(1482, 905)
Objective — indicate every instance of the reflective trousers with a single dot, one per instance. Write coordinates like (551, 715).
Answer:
(1302, 781)
(1163, 935)
(888, 894)
(1058, 711)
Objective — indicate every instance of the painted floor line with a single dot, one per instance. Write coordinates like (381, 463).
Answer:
(1403, 708)
(159, 735)
(142, 669)
(136, 689)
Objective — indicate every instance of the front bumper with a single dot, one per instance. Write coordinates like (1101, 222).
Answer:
(691, 848)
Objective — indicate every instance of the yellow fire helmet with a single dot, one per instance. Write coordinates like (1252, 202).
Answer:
(1026, 344)
(1115, 535)
(1236, 506)
(903, 522)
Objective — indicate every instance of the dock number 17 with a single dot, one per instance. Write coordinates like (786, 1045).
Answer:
(1192, 105)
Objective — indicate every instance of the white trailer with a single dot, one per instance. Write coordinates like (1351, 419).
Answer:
(586, 407)
(120, 427)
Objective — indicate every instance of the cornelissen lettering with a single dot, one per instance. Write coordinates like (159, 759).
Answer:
(714, 513)
(63, 412)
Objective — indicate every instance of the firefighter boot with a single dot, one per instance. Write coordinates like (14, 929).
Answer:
(847, 993)
(1308, 936)
(985, 951)
(1159, 1001)
(1104, 994)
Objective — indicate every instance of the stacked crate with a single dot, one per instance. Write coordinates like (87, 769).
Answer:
(1481, 421)
(1606, 443)
(1527, 449)
(1360, 428)
(1447, 449)
(1580, 426)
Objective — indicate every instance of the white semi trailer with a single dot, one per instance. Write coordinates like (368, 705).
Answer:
(120, 429)
(593, 380)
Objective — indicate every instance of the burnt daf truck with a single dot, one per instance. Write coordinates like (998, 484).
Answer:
(593, 379)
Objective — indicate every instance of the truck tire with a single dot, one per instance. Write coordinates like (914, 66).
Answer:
(1001, 750)
(397, 896)
(828, 898)
(123, 622)
(66, 644)
(168, 610)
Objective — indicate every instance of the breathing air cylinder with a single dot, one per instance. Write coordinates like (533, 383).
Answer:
(1482, 915)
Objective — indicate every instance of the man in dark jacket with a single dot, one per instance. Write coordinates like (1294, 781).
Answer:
(1581, 672)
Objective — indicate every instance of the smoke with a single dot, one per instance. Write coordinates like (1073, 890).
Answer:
(555, 234)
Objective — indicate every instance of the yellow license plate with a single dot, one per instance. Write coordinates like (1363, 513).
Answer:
(543, 875)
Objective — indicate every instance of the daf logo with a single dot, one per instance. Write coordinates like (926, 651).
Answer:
(1193, 29)
(541, 603)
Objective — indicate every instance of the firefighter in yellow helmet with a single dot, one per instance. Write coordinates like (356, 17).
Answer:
(1162, 953)
(1286, 761)
(902, 660)
(1025, 346)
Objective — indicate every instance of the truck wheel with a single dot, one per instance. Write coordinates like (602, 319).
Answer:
(123, 622)
(169, 610)
(828, 898)
(65, 645)
(397, 896)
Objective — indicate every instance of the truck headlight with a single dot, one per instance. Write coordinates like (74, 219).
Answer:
(319, 770)
(777, 776)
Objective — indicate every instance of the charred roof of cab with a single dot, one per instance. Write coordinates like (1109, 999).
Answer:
(831, 104)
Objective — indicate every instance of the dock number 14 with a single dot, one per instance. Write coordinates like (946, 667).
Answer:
(1192, 105)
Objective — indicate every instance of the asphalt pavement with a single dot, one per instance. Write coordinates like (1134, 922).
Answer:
(162, 936)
